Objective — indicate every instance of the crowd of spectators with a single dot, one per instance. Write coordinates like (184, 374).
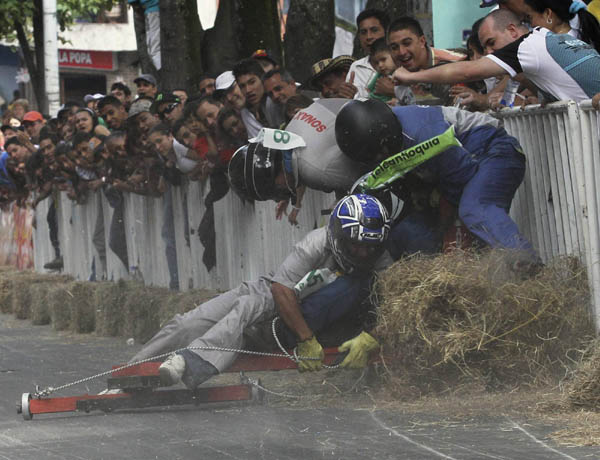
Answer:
(148, 142)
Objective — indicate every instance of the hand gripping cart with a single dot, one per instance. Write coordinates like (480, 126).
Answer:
(140, 385)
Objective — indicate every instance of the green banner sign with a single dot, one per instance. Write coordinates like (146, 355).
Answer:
(396, 166)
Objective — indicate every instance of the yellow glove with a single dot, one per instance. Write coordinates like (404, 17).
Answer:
(310, 349)
(358, 350)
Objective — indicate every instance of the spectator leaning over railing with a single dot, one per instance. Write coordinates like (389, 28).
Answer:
(184, 134)
(114, 113)
(228, 91)
(115, 148)
(371, 24)
(122, 92)
(19, 108)
(167, 107)
(231, 125)
(181, 94)
(146, 85)
(328, 76)
(86, 121)
(66, 115)
(260, 110)
(411, 52)
(266, 61)
(46, 187)
(33, 122)
(279, 85)
(382, 61)
(562, 67)
(563, 17)
(206, 85)
(216, 149)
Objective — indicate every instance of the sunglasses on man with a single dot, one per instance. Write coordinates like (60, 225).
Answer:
(168, 109)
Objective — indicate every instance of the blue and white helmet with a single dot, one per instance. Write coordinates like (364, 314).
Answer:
(358, 228)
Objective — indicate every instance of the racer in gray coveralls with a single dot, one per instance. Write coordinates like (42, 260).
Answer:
(352, 244)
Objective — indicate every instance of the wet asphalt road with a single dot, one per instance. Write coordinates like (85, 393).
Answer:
(32, 355)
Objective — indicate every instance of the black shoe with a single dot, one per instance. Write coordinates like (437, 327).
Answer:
(56, 264)
(196, 370)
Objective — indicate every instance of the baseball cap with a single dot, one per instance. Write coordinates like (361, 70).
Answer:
(164, 98)
(264, 55)
(11, 126)
(92, 97)
(140, 105)
(147, 78)
(33, 116)
(224, 81)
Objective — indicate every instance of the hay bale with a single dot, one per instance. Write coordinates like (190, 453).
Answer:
(21, 286)
(83, 311)
(6, 301)
(583, 389)
(59, 305)
(141, 310)
(463, 317)
(40, 312)
(109, 301)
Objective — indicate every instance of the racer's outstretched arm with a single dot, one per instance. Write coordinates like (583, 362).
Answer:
(288, 307)
(455, 72)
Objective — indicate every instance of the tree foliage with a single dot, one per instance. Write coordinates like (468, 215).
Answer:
(309, 35)
(22, 20)
(22, 11)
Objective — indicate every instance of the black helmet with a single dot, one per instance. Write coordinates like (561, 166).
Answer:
(252, 171)
(368, 130)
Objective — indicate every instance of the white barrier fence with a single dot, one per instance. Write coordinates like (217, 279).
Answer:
(249, 241)
(556, 208)
(557, 204)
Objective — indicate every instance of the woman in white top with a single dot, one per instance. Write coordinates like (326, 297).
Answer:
(564, 17)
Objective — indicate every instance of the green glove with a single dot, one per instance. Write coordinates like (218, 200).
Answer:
(358, 350)
(310, 349)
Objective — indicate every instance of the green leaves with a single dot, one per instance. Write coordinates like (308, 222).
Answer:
(68, 11)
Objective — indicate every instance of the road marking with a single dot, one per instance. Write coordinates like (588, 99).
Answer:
(458, 446)
(539, 441)
(412, 441)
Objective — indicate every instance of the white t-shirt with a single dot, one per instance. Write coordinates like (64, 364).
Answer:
(184, 164)
(363, 72)
(542, 59)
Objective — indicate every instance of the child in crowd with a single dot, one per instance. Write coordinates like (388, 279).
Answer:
(230, 123)
(381, 60)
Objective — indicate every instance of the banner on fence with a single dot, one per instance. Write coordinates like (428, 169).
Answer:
(16, 245)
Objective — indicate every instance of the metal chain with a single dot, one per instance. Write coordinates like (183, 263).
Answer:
(39, 392)
(295, 357)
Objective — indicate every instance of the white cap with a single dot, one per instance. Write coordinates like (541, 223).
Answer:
(224, 81)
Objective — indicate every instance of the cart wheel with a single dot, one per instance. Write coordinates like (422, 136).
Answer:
(23, 407)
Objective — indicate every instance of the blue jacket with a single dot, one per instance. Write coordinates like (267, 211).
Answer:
(481, 136)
